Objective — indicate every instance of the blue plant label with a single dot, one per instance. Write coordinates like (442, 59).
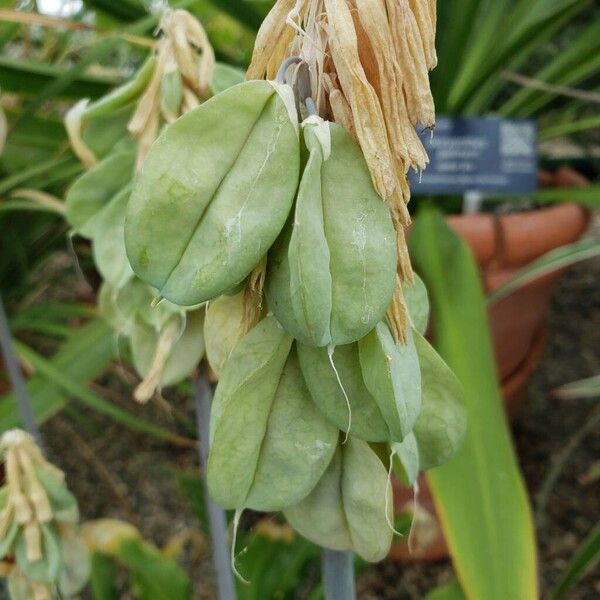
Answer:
(485, 154)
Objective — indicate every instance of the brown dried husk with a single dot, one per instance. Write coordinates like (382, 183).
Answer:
(368, 62)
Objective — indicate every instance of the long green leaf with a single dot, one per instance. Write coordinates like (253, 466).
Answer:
(510, 38)
(480, 494)
(78, 390)
(104, 577)
(580, 59)
(23, 77)
(244, 12)
(587, 558)
(549, 263)
(83, 357)
(569, 127)
(586, 196)
(585, 388)
(156, 577)
(448, 591)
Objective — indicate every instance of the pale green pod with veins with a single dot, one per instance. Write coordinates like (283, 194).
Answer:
(108, 246)
(123, 306)
(222, 329)
(392, 375)
(327, 393)
(407, 463)
(417, 302)
(332, 274)
(214, 193)
(92, 192)
(380, 379)
(270, 444)
(351, 508)
(441, 426)
(183, 357)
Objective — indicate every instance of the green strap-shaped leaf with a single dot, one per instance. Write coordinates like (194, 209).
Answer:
(481, 497)
(351, 506)
(331, 278)
(214, 193)
(269, 442)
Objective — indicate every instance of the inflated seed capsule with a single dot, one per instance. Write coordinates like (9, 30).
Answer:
(351, 506)
(214, 193)
(270, 444)
(331, 274)
(371, 389)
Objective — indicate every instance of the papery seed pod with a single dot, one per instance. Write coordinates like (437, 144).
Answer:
(392, 375)
(351, 508)
(223, 329)
(441, 426)
(373, 386)
(92, 192)
(167, 355)
(214, 193)
(331, 276)
(269, 442)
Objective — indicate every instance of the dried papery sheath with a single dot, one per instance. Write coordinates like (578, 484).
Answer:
(38, 524)
(368, 63)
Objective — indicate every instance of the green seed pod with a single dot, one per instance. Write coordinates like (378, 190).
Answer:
(417, 302)
(351, 508)
(92, 192)
(171, 94)
(174, 350)
(270, 444)
(392, 374)
(123, 306)
(214, 193)
(108, 246)
(47, 568)
(332, 275)
(406, 459)
(378, 378)
(442, 424)
(222, 329)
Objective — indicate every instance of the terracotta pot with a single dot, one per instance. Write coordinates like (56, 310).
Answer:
(502, 245)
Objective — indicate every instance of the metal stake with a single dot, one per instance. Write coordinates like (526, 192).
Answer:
(16, 379)
(216, 515)
(338, 575)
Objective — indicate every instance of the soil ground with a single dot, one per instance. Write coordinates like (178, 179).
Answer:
(120, 474)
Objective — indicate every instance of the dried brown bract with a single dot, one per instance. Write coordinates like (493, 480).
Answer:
(368, 63)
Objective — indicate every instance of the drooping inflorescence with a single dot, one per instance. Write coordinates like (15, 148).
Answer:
(40, 547)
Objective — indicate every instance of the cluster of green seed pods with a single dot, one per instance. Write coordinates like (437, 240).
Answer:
(321, 395)
(41, 551)
(111, 138)
(311, 391)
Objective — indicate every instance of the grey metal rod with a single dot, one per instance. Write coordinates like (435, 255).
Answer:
(338, 575)
(216, 515)
(17, 381)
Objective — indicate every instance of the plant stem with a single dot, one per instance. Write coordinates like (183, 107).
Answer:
(338, 575)
(216, 515)
(16, 378)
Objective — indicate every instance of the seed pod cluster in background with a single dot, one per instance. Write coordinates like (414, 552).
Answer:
(112, 137)
(295, 185)
(40, 547)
